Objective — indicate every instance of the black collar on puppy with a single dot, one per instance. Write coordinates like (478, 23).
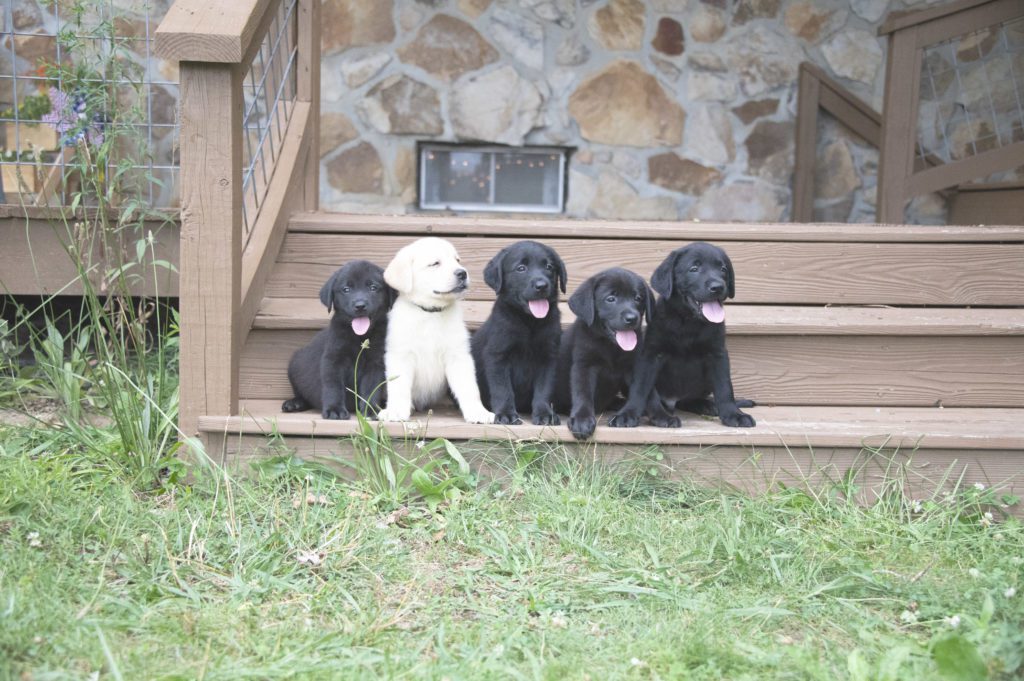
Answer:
(430, 309)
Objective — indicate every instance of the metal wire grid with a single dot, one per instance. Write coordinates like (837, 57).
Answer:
(27, 35)
(270, 88)
(972, 93)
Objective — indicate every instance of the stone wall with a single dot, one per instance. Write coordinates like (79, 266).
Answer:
(676, 109)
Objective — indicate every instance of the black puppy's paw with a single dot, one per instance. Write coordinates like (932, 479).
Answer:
(738, 419)
(508, 418)
(335, 413)
(666, 422)
(624, 419)
(294, 404)
(545, 417)
(583, 427)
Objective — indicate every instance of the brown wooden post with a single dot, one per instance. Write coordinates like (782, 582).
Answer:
(806, 134)
(211, 239)
(899, 133)
(309, 91)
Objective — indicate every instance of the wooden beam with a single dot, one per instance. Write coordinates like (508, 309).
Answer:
(899, 133)
(309, 91)
(204, 31)
(896, 21)
(809, 91)
(969, 20)
(956, 172)
(211, 240)
(284, 196)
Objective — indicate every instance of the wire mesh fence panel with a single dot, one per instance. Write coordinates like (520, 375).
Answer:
(972, 94)
(269, 89)
(74, 74)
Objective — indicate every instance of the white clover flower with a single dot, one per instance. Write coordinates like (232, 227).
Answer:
(986, 520)
(420, 444)
(637, 662)
(953, 621)
(974, 572)
(979, 486)
(908, 617)
(1010, 592)
(917, 506)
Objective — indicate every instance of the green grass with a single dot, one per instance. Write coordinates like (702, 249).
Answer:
(567, 571)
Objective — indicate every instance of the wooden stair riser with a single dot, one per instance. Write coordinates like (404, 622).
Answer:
(785, 273)
(787, 370)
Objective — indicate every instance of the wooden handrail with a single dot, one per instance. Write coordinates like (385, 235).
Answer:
(216, 32)
(221, 270)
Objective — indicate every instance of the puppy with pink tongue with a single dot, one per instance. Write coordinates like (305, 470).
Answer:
(600, 348)
(516, 349)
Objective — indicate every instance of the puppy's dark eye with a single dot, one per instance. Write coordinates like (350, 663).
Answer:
(638, 298)
(520, 268)
(346, 290)
(436, 263)
(374, 288)
(609, 299)
(694, 268)
(549, 266)
(725, 270)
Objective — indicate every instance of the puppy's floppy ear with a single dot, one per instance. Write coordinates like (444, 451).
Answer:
(493, 272)
(649, 303)
(730, 276)
(664, 277)
(398, 274)
(327, 292)
(581, 302)
(562, 275)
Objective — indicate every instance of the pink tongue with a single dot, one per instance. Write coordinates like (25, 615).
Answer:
(539, 308)
(360, 325)
(713, 311)
(626, 340)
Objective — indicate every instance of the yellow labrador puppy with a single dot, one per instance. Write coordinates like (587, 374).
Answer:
(427, 346)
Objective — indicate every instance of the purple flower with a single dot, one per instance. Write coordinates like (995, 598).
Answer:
(69, 118)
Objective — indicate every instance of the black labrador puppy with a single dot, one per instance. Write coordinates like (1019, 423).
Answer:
(595, 363)
(516, 349)
(684, 358)
(324, 372)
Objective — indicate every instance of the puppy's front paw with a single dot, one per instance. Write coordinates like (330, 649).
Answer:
(624, 419)
(510, 418)
(738, 419)
(392, 415)
(666, 421)
(582, 427)
(480, 415)
(294, 404)
(335, 413)
(545, 417)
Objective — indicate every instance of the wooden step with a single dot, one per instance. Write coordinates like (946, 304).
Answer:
(864, 449)
(558, 227)
(309, 313)
(798, 273)
(793, 426)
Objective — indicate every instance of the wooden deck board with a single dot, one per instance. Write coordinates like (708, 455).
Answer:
(858, 370)
(790, 273)
(541, 227)
(309, 313)
(930, 428)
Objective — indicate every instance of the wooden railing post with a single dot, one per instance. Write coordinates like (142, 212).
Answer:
(899, 133)
(211, 240)
(806, 136)
(309, 91)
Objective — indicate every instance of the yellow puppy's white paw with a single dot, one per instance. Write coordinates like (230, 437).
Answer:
(480, 415)
(389, 415)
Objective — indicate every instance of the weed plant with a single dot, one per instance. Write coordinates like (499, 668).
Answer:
(111, 363)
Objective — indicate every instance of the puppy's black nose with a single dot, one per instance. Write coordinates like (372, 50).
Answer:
(716, 287)
(541, 285)
(630, 317)
(359, 305)
(460, 275)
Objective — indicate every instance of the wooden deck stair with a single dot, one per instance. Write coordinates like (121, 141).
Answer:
(848, 336)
